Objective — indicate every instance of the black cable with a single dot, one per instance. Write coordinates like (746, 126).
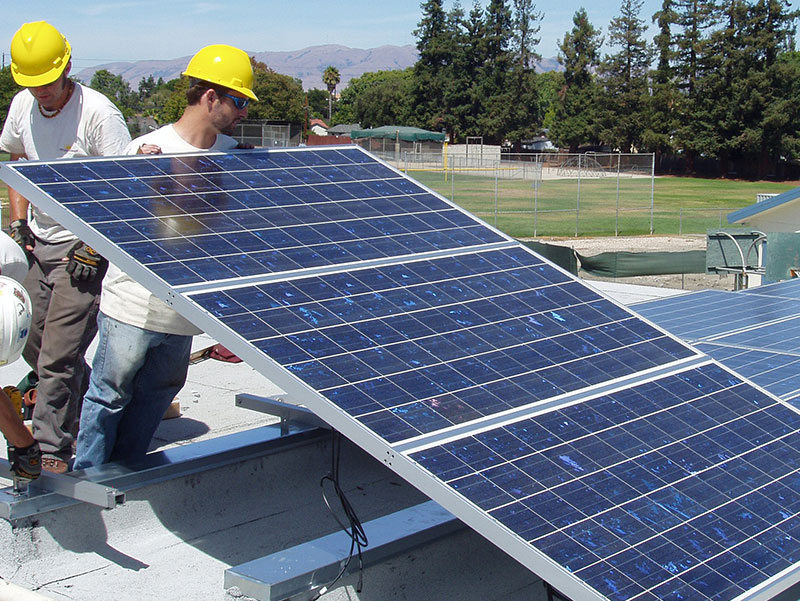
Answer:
(352, 528)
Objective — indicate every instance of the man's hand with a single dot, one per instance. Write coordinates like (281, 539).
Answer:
(21, 234)
(26, 462)
(84, 263)
(149, 149)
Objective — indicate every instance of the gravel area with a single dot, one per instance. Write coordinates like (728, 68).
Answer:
(689, 281)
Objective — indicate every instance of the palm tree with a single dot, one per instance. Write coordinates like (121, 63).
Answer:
(330, 77)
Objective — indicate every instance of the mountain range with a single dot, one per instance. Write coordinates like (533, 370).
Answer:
(306, 64)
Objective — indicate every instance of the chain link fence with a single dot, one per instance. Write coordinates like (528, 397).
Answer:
(547, 194)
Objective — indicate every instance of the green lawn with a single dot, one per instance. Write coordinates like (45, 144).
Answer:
(606, 206)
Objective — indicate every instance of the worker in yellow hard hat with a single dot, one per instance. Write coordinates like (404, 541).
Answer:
(55, 117)
(143, 351)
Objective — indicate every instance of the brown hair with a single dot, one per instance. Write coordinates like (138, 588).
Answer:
(198, 87)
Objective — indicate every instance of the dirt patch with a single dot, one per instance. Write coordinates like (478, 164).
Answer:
(689, 281)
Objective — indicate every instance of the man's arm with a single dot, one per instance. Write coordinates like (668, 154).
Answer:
(11, 425)
(19, 204)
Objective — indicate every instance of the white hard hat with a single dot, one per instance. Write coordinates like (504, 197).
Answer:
(15, 319)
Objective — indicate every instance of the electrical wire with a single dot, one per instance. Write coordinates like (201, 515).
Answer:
(351, 525)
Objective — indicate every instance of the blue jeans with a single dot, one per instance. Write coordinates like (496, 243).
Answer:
(136, 374)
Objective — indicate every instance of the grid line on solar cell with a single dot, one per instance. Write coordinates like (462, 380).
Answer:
(597, 492)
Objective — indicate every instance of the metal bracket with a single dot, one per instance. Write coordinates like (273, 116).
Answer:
(94, 493)
(289, 414)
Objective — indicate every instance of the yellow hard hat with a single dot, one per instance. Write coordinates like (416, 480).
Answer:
(225, 66)
(39, 54)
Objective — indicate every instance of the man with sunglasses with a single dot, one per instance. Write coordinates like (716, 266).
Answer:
(55, 117)
(144, 346)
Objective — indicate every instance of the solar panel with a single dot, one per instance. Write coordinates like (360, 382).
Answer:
(607, 456)
(755, 332)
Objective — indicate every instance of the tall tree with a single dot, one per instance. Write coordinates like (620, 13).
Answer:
(430, 70)
(493, 76)
(466, 70)
(574, 118)
(663, 101)
(694, 19)
(526, 112)
(331, 79)
(624, 79)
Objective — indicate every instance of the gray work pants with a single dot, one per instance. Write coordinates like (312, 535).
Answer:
(64, 324)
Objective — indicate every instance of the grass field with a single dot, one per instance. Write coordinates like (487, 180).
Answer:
(680, 204)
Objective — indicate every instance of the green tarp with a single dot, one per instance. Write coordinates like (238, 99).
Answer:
(627, 264)
(395, 132)
(622, 264)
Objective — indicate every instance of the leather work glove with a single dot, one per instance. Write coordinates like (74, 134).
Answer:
(21, 234)
(84, 263)
(25, 462)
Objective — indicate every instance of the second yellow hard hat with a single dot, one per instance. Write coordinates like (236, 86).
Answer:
(225, 66)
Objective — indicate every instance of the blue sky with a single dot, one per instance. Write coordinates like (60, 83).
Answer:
(129, 30)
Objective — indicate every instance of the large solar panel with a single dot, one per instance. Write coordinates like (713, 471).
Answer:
(607, 456)
(756, 331)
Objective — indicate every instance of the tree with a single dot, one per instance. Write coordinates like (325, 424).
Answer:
(493, 76)
(280, 97)
(116, 89)
(8, 88)
(624, 80)
(526, 112)
(663, 102)
(574, 117)
(431, 69)
(331, 79)
(377, 98)
(317, 102)
(176, 102)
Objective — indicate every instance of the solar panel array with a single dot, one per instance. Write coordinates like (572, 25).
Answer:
(755, 332)
(606, 455)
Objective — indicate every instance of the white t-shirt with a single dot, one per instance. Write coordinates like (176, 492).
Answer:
(125, 299)
(88, 125)
(13, 262)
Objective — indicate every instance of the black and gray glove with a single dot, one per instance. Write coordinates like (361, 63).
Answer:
(21, 233)
(84, 263)
(25, 462)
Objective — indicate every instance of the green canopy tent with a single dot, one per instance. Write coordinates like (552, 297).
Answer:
(397, 133)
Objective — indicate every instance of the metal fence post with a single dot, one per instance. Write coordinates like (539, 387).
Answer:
(616, 224)
(578, 201)
(652, 189)
(496, 200)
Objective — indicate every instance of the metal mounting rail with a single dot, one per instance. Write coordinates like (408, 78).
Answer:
(298, 573)
(65, 485)
(100, 485)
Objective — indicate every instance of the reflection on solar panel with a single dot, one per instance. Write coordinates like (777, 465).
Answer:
(755, 332)
(604, 454)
